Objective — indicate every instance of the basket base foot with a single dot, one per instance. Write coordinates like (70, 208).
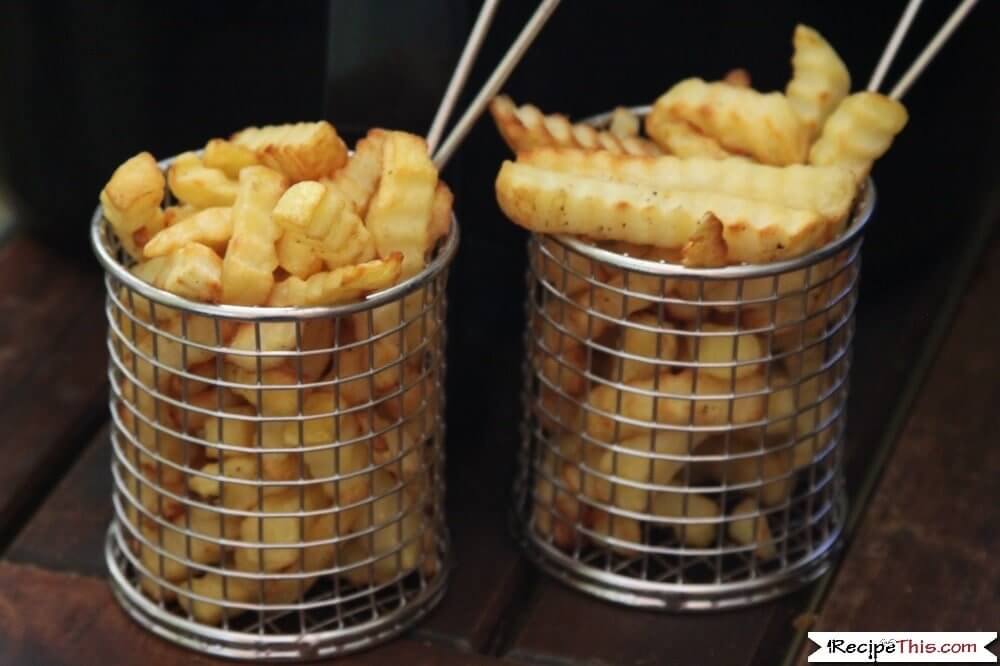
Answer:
(606, 583)
(266, 642)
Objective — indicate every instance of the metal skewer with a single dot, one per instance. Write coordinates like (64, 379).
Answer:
(495, 82)
(932, 48)
(461, 73)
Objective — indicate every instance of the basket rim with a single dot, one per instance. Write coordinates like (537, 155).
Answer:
(859, 219)
(99, 230)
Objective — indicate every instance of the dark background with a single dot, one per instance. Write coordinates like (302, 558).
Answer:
(87, 84)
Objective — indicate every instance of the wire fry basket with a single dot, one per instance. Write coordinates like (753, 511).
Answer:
(683, 429)
(276, 502)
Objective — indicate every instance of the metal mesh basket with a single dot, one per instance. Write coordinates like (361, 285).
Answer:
(682, 437)
(278, 472)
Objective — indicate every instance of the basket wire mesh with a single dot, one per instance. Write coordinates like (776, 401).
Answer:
(683, 429)
(278, 473)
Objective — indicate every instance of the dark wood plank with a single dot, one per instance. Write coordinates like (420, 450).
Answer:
(924, 556)
(67, 532)
(53, 362)
(49, 618)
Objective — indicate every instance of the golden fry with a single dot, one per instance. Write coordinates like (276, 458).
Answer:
(359, 178)
(250, 261)
(209, 226)
(228, 156)
(193, 271)
(819, 79)
(195, 184)
(829, 190)
(131, 200)
(399, 215)
(742, 120)
(300, 151)
(858, 132)
(552, 202)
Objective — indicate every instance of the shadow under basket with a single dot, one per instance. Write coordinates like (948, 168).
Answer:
(276, 502)
(683, 429)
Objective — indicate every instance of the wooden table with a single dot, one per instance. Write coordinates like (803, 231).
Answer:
(921, 468)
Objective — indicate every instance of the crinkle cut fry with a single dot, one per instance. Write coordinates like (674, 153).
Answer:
(551, 202)
(526, 127)
(741, 120)
(829, 190)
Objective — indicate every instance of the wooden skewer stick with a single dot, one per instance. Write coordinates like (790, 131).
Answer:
(495, 82)
(932, 48)
(461, 73)
(893, 46)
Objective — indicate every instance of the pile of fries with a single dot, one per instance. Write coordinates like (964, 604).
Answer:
(277, 216)
(764, 177)
(725, 175)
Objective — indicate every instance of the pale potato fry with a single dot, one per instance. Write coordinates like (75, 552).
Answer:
(395, 541)
(555, 512)
(770, 470)
(829, 191)
(300, 151)
(525, 127)
(440, 223)
(297, 206)
(241, 488)
(707, 246)
(741, 120)
(131, 200)
(619, 528)
(193, 271)
(399, 215)
(147, 271)
(725, 356)
(681, 138)
(142, 491)
(298, 255)
(171, 354)
(820, 79)
(349, 283)
(210, 226)
(737, 77)
(637, 403)
(303, 336)
(240, 432)
(229, 588)
(642, 469)
(174, 214)
(858, 132)
(270, 401)
(398, 442)
(228, 156)
(644, 337)
(552, 202)
(701, 532)
(359, 178)
(166, 564)
(623, 123)
(279, 529)
(329, 461)
(251, 258)
(193, 183)
(213, 399)
(751, 530)
(321, 228)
